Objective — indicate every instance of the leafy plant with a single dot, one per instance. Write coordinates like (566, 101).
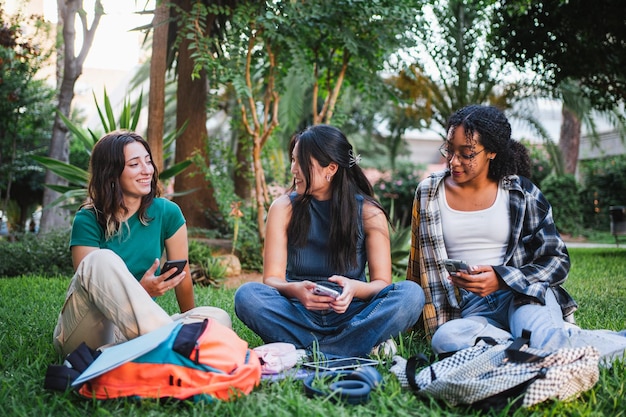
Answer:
(562, 191)
(206, 269)
(46, 255)
(400, 249)
(604, 185)
(396, 191)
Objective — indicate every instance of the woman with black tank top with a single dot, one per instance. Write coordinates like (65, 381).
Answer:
(325, 231)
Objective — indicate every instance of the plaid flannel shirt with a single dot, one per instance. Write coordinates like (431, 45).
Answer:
(536, 258)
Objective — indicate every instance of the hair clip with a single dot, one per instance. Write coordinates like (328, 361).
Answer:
(354, 159)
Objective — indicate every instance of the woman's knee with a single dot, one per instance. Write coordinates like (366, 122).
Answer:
(410, 294)
(462, 333)
(247, 298)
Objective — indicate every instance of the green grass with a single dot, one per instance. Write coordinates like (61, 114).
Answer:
(29, 309)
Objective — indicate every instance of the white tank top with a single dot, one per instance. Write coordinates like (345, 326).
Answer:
(478, 237)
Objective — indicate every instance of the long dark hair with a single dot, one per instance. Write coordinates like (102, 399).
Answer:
(494, 133)
(104, 191)
(328, 144)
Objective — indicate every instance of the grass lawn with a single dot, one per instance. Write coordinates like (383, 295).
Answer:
(30, 304)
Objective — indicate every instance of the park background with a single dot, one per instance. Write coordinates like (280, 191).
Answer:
(388, 73)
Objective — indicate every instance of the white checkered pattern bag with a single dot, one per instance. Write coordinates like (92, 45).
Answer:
(489, 374)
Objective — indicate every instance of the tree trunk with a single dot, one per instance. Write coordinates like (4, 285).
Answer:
(191, 107)
(241, 175)
(569, 140)
(56, 217)
(158, 67)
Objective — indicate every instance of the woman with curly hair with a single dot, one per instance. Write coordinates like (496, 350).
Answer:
(484, 210)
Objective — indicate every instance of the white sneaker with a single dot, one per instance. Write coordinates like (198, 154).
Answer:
(387, 348)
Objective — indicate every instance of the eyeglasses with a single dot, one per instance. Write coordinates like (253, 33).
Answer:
(463, 157)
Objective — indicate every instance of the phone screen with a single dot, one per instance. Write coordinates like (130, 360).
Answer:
(179, 265)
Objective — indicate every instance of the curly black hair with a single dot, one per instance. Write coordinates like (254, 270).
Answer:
(494, 133)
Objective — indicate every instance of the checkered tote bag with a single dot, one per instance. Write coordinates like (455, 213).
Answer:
(491, 373)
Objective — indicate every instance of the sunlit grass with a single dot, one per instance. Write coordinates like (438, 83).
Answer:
(29, 308)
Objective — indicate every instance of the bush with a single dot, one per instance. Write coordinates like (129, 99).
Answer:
(30, 254)
(563, 194)
(396, 192)
(604, 185)
(540, 165)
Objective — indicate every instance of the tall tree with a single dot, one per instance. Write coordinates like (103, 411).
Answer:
(68, 12)
(568, 39)
(269, 41)
(191, 109)
(25, 105)
(578, 52)
(158, 69)
(455, 65)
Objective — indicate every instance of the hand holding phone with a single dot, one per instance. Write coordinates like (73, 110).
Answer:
(178, 264)
(455, 266)
(324, 290)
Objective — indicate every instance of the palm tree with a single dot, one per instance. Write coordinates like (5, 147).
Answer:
(455, 66)
(577, 112)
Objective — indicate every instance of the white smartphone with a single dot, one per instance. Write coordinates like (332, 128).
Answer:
(454, 266)
(324, 290)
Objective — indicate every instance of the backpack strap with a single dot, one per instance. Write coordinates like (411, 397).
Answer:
(515, 354)
(60, 377)
(411, 368)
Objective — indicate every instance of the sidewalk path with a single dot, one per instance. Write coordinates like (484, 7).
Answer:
(593, 245)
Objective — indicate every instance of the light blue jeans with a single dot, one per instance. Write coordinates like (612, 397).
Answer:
(498, 316)
(365, 324)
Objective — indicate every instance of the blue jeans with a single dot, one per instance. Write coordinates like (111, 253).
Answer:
(498, 316)
(364, 325)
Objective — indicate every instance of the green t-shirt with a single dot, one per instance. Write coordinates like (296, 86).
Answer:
(138, 245)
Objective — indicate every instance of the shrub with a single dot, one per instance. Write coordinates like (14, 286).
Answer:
(540, 165)
(46, 254)
(397, 190)
(604, 185)
(563, 194)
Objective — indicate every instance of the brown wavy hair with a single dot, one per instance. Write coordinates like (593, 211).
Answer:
(104, 191)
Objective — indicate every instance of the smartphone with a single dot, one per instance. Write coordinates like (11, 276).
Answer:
(324, 290)
(340, 364)
(454, 265)
(178, 264)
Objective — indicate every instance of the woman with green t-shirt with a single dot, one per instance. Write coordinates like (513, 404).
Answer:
(118, 238)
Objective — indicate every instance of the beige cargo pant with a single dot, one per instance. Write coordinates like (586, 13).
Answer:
(105, 305)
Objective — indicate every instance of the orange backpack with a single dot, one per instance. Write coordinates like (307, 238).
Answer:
(198, 361)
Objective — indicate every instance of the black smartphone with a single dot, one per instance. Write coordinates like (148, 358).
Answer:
(178, 264)
(454, 265)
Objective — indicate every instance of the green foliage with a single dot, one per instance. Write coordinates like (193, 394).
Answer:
(249, 249)
(563, 40)
(396, 192)
(400, 242)
(540, 165)
(201, 255)
(564, 196)
(198, 251)
(26, 101)
(604, 185)
(31, 254)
